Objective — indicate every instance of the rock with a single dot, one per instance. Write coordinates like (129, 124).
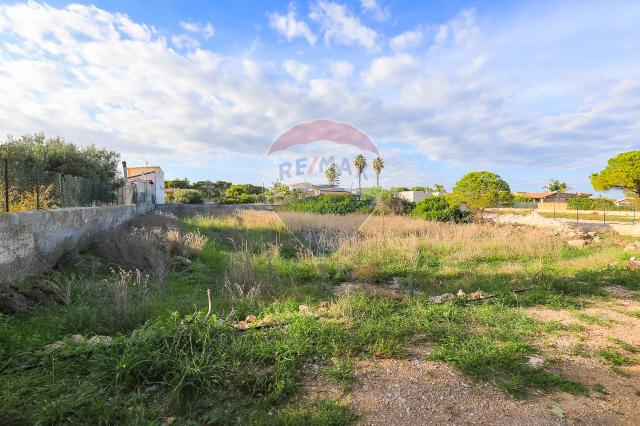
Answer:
(476, 295)
(78, 338)
(181, 261)
(12, 301)
(442, 298)
(576, 243)
(304, 309)
(633, 264)
(535, 361)
(250, 318)
(596, 240)
(55, 345)
(461, 294)
(324, 305)
(100, 340)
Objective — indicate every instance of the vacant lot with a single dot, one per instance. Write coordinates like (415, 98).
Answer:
(331, 323)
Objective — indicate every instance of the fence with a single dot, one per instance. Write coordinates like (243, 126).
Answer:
(25, 187)
(562, 212)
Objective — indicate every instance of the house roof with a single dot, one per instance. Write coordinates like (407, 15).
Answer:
(539, 194)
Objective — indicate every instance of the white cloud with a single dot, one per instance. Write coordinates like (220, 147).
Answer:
(289, 27)
(373, 8)
(341, 69)
(389, 69)
(480, 97)
(183, 41)
(342, 27)
(206, 30)
(406, 40)
(462, 30)
(296, 69)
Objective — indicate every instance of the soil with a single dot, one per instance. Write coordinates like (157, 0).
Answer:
(414, 391)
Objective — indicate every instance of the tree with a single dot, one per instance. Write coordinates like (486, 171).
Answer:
(438, 209)
(187, 196)
(279, 191)
(622, 172)
(360, 163)
(378, 165)
(439, 188)
(207, 187)
(479, 190)
(333, 173)
(177, 183)
(556, 186)
(59, 156)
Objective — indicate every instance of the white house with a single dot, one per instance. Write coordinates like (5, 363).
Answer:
(149, 179)
(414, 196)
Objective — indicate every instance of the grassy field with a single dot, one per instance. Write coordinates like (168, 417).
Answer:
(170, 362)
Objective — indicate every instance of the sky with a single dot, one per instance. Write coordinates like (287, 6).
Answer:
(531, 90)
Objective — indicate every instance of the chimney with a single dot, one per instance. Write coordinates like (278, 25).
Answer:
(124, 170)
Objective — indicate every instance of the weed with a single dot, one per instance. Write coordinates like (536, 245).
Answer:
(341, 372)
(614, 357)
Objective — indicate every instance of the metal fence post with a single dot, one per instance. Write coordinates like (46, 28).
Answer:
(6, 185)
(37, 189)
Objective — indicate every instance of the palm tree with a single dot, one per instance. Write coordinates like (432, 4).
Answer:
(333, 175)
(378, 165)
(556, 186)
(439, 188)
(360, 163)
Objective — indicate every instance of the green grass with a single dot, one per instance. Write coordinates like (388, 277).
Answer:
(166, 362)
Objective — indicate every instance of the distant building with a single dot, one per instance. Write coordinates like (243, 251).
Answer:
(554, 196)
(306, 189)
(414, 196)
(624, 202)
(149, 179)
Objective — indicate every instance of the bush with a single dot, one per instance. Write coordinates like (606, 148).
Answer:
(579, 203)
(439, 209)
(330, 204)
(390, 203)
(186, 196)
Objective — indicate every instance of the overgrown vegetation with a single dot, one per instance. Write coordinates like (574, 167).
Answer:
(273, 313)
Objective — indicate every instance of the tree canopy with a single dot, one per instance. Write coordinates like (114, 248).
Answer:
(479, 190)
(622, 172)
(57, 155)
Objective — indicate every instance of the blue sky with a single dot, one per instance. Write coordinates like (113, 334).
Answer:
(530, 90)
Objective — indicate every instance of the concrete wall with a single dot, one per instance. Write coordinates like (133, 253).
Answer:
(538, 221)
(32, 242)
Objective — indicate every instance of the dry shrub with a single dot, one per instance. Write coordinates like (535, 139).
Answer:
(194, 243)
(142, 249)
(242, 279)
(132, 291)
(174, 241)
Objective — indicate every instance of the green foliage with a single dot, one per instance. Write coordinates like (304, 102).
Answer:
(390, 203)
(581, 203)
(480, 190)
(330, 204)
(177, 183)
(186, 196)
(556, 186)
(57, 155)
(521, 197)
(279, 191)
(242, 194)
(439, 209)
(333, 173)
(622, 172)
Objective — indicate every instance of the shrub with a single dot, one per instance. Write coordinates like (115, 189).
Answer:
(330, 204)
(187, 196)
(390, 203)
(438, 209)
(579, 203)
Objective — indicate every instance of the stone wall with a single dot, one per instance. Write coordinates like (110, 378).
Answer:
(538, 221)
(32, 242)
